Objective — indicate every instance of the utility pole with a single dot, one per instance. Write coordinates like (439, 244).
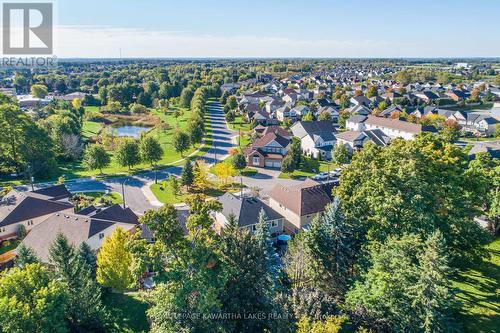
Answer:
(123, 192)
(31, 178)
(239, 139)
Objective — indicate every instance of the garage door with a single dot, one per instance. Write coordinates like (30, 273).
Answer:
(269, 164)
(277, 164)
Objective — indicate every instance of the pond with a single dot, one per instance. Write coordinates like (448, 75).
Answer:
(130, 131)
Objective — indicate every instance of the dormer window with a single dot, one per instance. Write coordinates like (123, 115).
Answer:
(101, 235)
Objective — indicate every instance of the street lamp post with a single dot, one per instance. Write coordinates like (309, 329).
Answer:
(123, 192)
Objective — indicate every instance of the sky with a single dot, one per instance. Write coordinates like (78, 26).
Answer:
(277, 28)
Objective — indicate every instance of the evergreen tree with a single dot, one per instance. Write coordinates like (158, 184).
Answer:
(86, 254)
(247, 289)
(330, 245)
(433, 297)
(265, 243)
(187, 177)
(25, 256)
(86, 311)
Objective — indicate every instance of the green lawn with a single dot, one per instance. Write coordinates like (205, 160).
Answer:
(309, 168)
(115, 197)
(479, 293)
(239, 123)
(128, 312)
(170, 156)
(91, 128)
(165, 195)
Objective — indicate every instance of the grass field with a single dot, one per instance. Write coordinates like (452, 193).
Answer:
(163, 192)
(309, 168)
(128, 312)
(480, 294)
(91, 128)
(76, 169)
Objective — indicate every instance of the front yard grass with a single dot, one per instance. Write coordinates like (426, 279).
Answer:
(163, 192)
(309, 168)
(479, 293)
(128, 312)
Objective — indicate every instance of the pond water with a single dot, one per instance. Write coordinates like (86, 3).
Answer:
(130, 131)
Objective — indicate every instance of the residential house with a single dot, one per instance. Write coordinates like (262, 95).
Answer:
(246, 210)
(317, 138)
(31, 208)
(267, 151)
(91, 225)
(393, 128)
(360, 100)
(355, 140)
(299, 204)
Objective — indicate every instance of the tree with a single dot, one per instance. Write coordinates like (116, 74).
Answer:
(496, 80)
(174, 185)
(96, 157)
(324, 116)
(287, 164)
(451, 131)
(164, 225)
(224, 171)
(232, 102)
(239, 162)
(186, 97)
(230, 116)
(127, 153)
(247, 289)
(415, 186)
(296, 152)
(39, 90)
(340, 154)
(195, 130)
(308, 117)
(113, 262)
(85, 253)
(150, 150)
(200, 172)
(32, 301)
(332, 324)
(25, 256)
(180, 141)
(86, 311)
(405, 288)
(266, 248)
(187, 176)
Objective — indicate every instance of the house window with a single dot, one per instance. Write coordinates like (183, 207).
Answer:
(101, 235)
(30, 222)
(255, 160)
(2, 230)
(254, 227)
(274, 224)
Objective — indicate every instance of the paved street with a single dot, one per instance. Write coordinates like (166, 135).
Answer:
(135, 187)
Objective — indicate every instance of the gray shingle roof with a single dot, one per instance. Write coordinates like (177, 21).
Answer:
(246, 210)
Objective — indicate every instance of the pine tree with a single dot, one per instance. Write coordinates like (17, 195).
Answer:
(86, 311)
(86, 254)
(433, 298)
(187, 176)
(330, 245)
(61, 255)
(265, 244)
(25, 256)
(247, 288)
